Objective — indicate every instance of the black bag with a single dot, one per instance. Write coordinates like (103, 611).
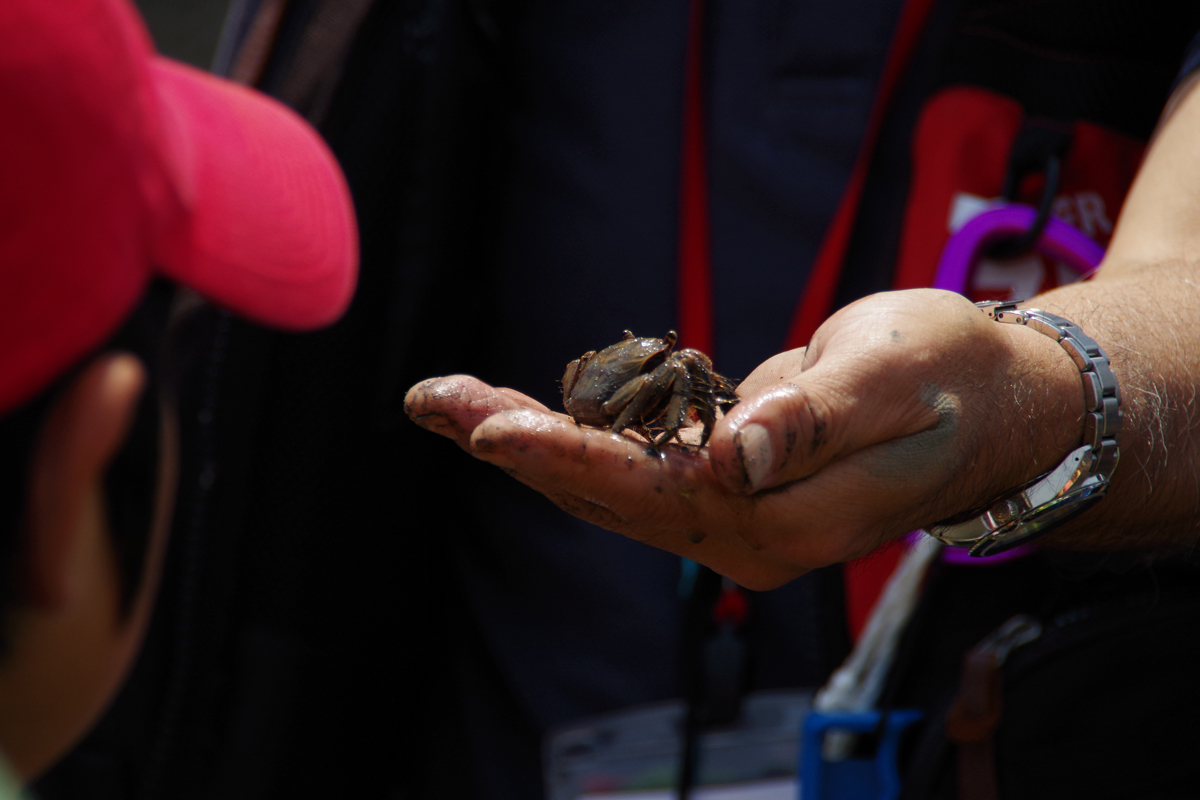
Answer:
(1092, 695)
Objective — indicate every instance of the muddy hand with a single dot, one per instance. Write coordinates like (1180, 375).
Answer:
(455, 405)
(668, 498)
(907, 408)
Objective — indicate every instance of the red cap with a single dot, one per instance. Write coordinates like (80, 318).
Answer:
(117, 165)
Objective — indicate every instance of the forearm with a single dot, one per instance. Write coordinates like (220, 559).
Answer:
(1146, 321)
(1144, 309)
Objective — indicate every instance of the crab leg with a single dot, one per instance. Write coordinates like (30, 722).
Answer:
(681, 399)
(638, 397)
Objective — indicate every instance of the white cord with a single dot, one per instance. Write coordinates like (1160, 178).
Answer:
(856, 685)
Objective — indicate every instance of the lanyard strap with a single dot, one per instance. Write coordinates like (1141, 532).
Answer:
(815, 304)
(695, 297)
(695, 312)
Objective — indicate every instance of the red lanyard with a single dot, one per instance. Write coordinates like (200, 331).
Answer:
(695, 313)
(817, 300)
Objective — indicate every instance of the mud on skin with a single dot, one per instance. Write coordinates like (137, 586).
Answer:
(916, 452)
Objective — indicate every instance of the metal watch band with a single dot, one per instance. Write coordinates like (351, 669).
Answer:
(1081, 479)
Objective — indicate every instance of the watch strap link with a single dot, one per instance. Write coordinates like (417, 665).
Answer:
(1081, 479)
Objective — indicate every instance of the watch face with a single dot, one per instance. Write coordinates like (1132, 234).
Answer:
(1042, 519)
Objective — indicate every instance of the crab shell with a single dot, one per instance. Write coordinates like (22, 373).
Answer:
(593, 378)
(640, 384)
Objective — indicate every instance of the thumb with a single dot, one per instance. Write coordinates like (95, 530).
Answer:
(794, 429)
(881, 369)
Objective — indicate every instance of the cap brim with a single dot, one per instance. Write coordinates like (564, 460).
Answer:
(267, 228)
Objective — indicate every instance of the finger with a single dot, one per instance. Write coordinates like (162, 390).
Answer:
(633, 480)
(792, 430)
(667, 498)
(454, 406)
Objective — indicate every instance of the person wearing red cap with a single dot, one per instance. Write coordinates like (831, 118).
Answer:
(121, 171)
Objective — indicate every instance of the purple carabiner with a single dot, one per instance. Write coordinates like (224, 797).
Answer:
(1059, 241)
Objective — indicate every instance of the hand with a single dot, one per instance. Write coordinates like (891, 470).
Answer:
(666, 498)
(907, 408)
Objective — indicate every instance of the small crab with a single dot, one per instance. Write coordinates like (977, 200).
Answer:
(640, 384)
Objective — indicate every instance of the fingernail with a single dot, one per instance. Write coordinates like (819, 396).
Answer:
(758, 457)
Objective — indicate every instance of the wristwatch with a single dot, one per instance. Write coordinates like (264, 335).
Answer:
(1081, 479)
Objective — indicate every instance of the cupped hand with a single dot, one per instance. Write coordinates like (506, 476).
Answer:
(669, 497)
(906, 408)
